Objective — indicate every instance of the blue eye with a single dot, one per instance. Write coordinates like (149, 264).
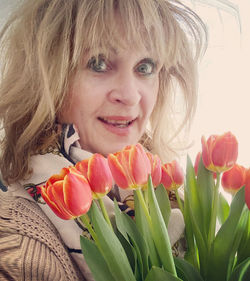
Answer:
(97, 64)
(146, 68)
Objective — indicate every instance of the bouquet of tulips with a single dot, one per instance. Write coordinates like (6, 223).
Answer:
(217, 234)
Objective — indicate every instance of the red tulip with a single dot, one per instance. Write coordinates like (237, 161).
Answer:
(219, 153)
(172, 176)
(155, 163)
(97, 171)
(130, 167)
(247, 188)
(233, 179)
(68, 194)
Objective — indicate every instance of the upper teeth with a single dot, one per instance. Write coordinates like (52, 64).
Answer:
(117, 122)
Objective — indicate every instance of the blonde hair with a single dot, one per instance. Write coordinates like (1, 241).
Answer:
(42, 46)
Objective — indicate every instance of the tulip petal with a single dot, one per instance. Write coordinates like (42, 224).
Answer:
(118, 171)
(49, 198)
(139, 165)
(77, 194)
(177, 173)
(205, 154)
(225, 151)
(156, 173)
(166, 178)
(101, 181)
(247, 189)
(82, 167)
(233, 179)
(57, 177)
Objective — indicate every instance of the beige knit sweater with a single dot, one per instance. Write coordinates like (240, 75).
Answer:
(31, 251)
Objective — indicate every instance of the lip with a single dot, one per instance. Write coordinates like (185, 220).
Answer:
(123, 118)
(116, 130)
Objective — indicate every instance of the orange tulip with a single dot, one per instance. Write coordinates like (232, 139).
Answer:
(98, 174)
(155, 163)
(130, 167)
(219, 153)
(68, 194)
(233, 179)
(247, 188)
(172, 176)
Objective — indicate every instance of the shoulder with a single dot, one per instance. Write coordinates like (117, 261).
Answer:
(30, 246)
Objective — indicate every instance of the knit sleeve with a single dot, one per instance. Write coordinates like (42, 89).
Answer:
(30, 247)
(23, 258)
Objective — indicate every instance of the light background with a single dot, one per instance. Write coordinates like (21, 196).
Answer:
(224, 88)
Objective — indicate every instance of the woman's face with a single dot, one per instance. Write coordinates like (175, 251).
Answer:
(111, 100)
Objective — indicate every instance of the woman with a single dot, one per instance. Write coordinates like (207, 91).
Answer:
(82, 77)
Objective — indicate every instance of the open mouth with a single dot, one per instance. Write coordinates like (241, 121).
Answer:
(116, 123)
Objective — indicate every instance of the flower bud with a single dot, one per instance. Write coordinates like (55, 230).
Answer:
(172, 176)
(130, 167)
(68, 194)
(98, 174)
(219, 153)
(233, 179)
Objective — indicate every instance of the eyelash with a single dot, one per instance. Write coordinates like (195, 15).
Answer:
(149, 63)
(96, 64)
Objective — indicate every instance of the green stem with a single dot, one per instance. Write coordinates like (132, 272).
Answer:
(85, 219)
(144, 206)
(179, 201)
(104, 212)
(145, 193)
(211, 233)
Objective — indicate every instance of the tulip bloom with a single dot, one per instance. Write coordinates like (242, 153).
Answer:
(172, 176)
(98, 174)
(130, 167)
(68, 194)
(155, 163)
(247, 188)
(233, 179)
(219, 153)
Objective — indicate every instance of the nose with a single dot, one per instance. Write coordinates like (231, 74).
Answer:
(125, 89)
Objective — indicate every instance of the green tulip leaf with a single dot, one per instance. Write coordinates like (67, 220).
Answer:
(242, 271)
(191, 253)
(110, 247)
(159, 231)
(223, 244)
(223, 209)
(143, 227)
(129, 250)
(164, 203)
(193, 212)
(240, 230)
(128, 228)
(159, 274)
(192, 193)
(95, 260)
(244, 247)
(205, 187)
(186, 271)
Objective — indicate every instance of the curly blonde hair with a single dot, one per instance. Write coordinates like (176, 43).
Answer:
(42, 46)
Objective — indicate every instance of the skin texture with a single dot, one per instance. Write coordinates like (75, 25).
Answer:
(120, 88)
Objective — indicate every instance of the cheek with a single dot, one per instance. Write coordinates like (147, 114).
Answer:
(151, 96)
